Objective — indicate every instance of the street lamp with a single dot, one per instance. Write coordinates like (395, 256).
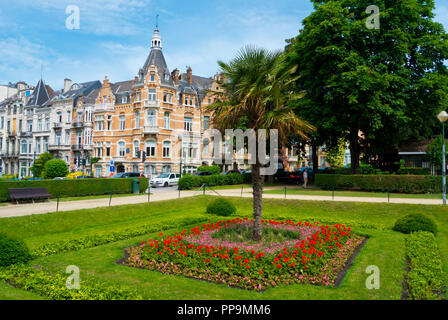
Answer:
(443, 116)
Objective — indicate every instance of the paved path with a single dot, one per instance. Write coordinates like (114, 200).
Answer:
(12, 210)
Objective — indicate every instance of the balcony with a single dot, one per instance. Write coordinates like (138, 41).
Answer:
(58, 147)
(151, 103)
(57, 125)
(77, 147)
(77, 124)
(26, 134)
(11, 154)
(104, 107)
(150, 130)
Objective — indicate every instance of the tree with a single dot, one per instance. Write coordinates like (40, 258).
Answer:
(434, 152)
(257, 92)
(336, 153)
(40, 164)
(55, 168)
(374, 86)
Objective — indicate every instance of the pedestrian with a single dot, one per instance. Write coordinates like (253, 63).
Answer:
(305, 177)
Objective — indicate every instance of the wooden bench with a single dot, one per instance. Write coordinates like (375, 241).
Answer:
(17, 194)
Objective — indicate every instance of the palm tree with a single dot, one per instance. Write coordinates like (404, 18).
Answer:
(257, 88)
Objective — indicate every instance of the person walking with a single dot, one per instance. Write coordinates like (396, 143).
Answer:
(305, 177)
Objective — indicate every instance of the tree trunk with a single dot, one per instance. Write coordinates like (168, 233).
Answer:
(257, 182)
(314, 157)
(354, 150)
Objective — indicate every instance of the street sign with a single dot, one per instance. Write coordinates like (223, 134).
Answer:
(112, 169)
(111, 162)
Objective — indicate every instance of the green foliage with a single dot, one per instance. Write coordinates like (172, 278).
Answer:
(40, 164)
(73, 188)
(189, 181)
(55, 168)
(101, 238)
(54, 285)
(414, 171)
(434, 152)
(415, 222)
(221, 207)
(12, 251)
(214, 169)
(336, 153)
(393, 183)
(426, 279)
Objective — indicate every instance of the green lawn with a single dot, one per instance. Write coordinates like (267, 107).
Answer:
(103, 196)
(294, 190)
(8, 292)
(385, 248)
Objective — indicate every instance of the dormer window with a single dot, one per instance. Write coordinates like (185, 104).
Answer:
(152, 77)
(124, 99)
(167, 77)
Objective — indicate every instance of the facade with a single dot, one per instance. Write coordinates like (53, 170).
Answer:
(159, 112)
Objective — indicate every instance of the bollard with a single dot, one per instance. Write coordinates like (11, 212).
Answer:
(388, 194)
(285, 192)
(333, 193)
(179, 192)
(149, 193)
(242, 190)
(57, 205)
(110, 198)
(203, 189)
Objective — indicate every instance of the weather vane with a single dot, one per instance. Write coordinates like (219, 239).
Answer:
(157, 21)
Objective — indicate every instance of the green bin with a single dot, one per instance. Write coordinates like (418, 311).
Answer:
(135, 186)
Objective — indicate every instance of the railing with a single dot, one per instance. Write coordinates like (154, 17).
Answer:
(151, 129)
(150, 103)
(77, 124)
(57, 125)
(58, 147)
(24, 134)
(77, 147)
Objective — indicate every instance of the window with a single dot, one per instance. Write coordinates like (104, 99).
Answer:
(58, 138)
(67, 137)
(122, 122)
(109, 122)
(152, 77)
(206, 148)
(20, 125)
(24, 147)
(69, 116)
(151, 118)
(137, 119)
(2, 122)
(165, 97)
(188, 124)
(29, 125)
(166, 149)
(136, 147)
(206, 122)
(121, 149)
(59, 117)
(150, 148)
(166, 120)
(99, 123)
(38, 146)
(166, 169)
(45, 144)
(151, 170)
(152, 94)
(108, 149)
(39, 125)
(47, 124)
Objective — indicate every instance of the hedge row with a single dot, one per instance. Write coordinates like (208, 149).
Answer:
(107, 237)
(189, 182)
(394, 183)
(426, 279)
(414, 171)
(81, 187)
(54, 286)
(367, 169)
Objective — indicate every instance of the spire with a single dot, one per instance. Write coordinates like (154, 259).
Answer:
(156, 42)
(39, 95)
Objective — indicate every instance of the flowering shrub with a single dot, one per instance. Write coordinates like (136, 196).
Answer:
(315, 257)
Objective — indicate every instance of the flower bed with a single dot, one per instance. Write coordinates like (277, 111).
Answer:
(315, 256)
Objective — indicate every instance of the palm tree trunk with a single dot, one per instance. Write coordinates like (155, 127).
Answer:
(257, 182)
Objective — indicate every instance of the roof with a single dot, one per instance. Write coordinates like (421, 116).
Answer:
(413, 146)
(80, 89)
(122, 87)
(157, 59)
(40, 95)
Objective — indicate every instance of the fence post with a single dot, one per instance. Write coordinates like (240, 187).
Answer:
(242, 190)
(388, 194)
(333, 193)
(203, 189)
(149, 193)
(110, 198)
(57, 205)
(179, 191)
(285, 192)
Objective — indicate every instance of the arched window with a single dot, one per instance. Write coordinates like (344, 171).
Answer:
(24, 148)
(206, 148)
(166, 149)
(166, 120)
(151, 118)
(150, 148)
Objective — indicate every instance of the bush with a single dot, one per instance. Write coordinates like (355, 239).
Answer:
(393, 183)
(426, 279)
(55, 168)
(74, 188)
(13, 251)
(413, 171)
(221, 207)
(415, 222)
(189, 182)
(214, 169)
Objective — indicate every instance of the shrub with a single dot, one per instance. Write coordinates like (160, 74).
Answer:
(393, 183)
(426, 279)
(189, 182)
(221, 207)
(214, 169)
(55, 168)
(413, 171)
(415, 222)
(73, 188)
(12, 251)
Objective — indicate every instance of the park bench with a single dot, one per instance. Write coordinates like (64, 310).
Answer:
(17, 194)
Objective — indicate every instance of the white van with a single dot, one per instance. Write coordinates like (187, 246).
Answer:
(165, 180)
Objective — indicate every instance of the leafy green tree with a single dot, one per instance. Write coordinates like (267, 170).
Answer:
(40, 163)
(374, 86)
(336, 153)
(55, 168)
(257, 91)
(434, 152)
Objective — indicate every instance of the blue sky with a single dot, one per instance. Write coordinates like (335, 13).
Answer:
(114, 35)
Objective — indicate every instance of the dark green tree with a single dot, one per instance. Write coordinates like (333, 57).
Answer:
(55, 168)
(434, 152)
(374, 87)
(40, 163)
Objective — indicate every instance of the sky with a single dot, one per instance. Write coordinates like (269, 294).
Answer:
(114, 36)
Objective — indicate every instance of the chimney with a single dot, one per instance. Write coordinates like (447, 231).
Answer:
(175, 76)
(190, 76)
(67, 85)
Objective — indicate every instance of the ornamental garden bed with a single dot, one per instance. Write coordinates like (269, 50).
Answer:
(223, 252)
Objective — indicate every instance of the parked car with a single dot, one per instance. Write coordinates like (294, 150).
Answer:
(203, 173)
(165, 180)
(61, 178)
(86, 177)
(231, 171)
(127, 175)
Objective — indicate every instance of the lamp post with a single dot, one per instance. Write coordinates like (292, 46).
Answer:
(443, 116)
(34, 166)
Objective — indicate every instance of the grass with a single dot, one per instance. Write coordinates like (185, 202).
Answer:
(103, 196)
(385, 248)
(294, 190)
(8, 292)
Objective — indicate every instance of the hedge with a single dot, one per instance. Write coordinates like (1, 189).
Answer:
(189, 182)
(81, 187)
(414, 171)
(426, 278)
(54, 285)
(213, 169)
(393, 183)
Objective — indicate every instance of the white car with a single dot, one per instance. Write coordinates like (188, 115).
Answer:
(165, 180)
